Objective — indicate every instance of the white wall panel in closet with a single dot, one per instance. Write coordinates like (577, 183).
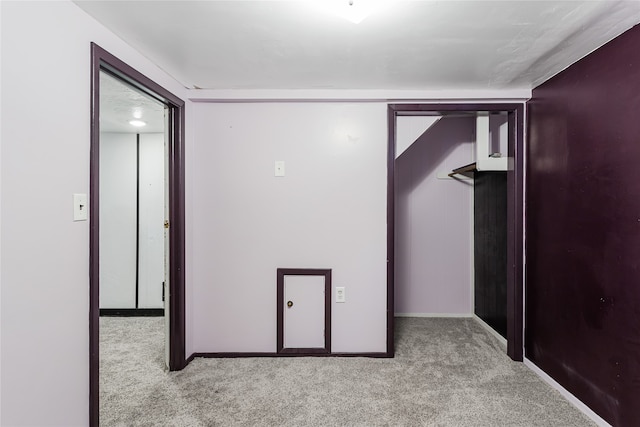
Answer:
(118, 226)
(151, 221)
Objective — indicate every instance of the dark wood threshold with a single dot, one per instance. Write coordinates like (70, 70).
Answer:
(467, 170)
(132, 312)
(304, 351)
(275, 355)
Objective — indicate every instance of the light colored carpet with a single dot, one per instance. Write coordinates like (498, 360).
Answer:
(447, 372)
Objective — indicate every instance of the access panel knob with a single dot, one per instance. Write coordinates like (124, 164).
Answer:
(289, 304)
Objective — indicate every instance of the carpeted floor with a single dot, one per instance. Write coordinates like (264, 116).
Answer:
(447, 372)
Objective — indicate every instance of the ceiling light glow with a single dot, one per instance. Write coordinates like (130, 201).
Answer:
(137, 114)
(352, 10)
(137, 123)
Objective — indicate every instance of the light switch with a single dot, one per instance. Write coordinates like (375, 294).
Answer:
(279, 168)
(80, 207)
(340, 297)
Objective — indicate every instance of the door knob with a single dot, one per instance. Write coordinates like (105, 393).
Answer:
(289, 304)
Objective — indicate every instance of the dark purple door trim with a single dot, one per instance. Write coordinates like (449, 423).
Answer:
(101, 60)
(391, 218)
(515, 220)
(280, 273)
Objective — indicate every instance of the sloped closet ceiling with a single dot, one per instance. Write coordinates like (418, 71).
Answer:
(410, 45)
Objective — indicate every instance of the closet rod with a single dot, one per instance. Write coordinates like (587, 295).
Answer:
(466, 170)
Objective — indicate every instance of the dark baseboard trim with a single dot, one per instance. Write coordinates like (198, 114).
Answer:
(304, 351)
(241, 355)
(190, 359)
(369, 355)
(132, 312)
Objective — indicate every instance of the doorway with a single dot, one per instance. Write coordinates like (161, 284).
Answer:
(104, 62)
(514, 218)
(132, 200)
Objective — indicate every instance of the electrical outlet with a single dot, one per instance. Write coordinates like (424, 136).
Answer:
(279, 166)
(340, 297)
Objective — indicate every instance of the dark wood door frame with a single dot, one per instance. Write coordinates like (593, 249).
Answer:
(101, 60)
(280, 274)
(515, 219)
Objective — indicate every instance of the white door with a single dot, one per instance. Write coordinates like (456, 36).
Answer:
(304, 312)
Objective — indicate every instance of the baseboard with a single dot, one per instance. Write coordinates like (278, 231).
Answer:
(231, 355)
(189, 359)
(132, 312)
(304, 351)
(457, 315)
(567, 394)
(485, 325)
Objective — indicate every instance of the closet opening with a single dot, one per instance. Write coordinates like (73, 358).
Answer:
(455, 215)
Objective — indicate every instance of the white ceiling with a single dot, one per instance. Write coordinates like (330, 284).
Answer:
(421, 45)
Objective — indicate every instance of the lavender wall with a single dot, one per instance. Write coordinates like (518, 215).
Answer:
(328, 211)
(583, 230)
(45, 254)
(434, 228)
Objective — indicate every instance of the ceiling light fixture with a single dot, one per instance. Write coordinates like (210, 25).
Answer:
(137, 114)
(137, 123)
(352, 10)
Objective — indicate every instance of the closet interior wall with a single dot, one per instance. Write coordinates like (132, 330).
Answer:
(490, 227)
(490, 249)
(434, 228)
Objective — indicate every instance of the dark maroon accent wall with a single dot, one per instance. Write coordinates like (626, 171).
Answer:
(583, 230)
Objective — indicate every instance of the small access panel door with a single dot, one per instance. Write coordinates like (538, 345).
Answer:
(304, 311)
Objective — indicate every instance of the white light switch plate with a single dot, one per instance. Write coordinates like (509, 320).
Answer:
(340, 297)
(279, 168)
(80, 207)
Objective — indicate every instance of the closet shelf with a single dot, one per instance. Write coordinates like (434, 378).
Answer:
(467, 170)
